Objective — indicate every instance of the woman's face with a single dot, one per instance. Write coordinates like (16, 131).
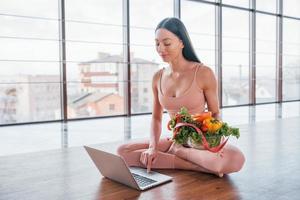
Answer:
(168, 45)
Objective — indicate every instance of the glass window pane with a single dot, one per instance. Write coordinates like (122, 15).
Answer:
(36, 8)
(29, 72)
(240, 3)
(291, 8)
(291, 59)
(99, 91)
(199, 19)
(144, 17)
(95, 98)
(265, 58)
(27, 49)
(144, 13)
(100, 33)
(30, 102)
(235, 69)
(29, 62)
(89, 52)
(98, 11)
(35, 28)
(266, 5)
(141, 87)
(94, 52)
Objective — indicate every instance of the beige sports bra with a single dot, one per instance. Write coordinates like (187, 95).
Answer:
(193, 98)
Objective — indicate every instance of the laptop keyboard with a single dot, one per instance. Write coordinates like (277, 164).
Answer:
(142, 180)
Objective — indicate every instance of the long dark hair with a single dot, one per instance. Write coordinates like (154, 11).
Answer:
(176, 26)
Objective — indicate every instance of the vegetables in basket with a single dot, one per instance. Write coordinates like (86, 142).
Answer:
(201, 131)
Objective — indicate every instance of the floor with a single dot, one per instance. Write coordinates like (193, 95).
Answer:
(271, 171)
(41, 137)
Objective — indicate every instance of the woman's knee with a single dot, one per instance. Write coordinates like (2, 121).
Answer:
(240, 160)
(123, 149)
(237, 159)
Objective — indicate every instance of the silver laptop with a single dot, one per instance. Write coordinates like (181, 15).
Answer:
(114, 167)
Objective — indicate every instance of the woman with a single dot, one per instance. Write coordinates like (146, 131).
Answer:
(189, 83)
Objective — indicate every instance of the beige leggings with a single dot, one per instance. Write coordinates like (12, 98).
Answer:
(172, 156)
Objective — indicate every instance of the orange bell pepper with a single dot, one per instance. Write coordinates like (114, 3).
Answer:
(212, 124)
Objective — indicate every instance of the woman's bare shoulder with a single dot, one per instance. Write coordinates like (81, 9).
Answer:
(205, 75)
(156, 77)
(204, 69)
(157, 74)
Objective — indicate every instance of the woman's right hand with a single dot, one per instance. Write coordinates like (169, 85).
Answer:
(148, 157)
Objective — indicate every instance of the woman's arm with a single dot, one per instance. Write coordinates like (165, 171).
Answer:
(210, 88)
(157, 111)
(149, 156)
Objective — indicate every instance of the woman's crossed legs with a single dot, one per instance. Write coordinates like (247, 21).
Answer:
(173, 156)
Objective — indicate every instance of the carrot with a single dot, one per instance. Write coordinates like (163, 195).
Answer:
(202, 116)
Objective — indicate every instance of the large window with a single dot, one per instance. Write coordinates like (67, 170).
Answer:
(291, 59)
(95, 61)
(144, 17)
(235, 68)
(29, 62)
(199, 19)
(96, 33)
(265, 58)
